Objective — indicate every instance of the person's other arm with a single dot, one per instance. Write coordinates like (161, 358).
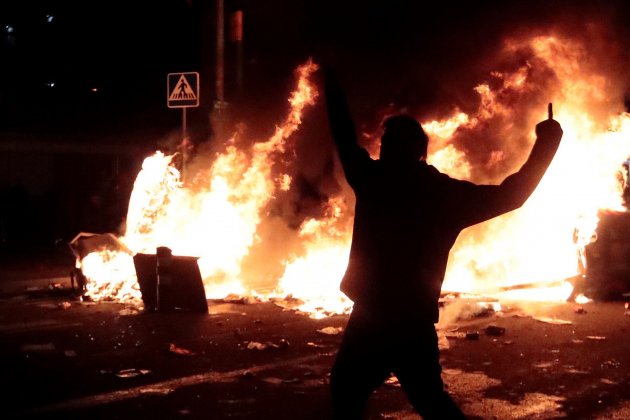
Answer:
(353, 157)
(483, 202)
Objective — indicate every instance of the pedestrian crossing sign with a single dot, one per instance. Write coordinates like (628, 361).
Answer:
(182, 90)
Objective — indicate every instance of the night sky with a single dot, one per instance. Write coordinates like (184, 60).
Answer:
(100, 66)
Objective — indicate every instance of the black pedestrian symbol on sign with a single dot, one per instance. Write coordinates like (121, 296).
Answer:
(182, 90)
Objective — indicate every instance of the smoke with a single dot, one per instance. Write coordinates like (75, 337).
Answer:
(492, 74)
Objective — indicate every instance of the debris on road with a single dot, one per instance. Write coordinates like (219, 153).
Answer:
(240, 300)
(330, 330)
(595, 337)
(612, 363)
(64, 305)
(553, 321)
(255, 345)
(494, 330)
(283, 343)
(128, 312)
(472, 335)
(392, 381)
(579, 310)
(132, 373)
(180, 351)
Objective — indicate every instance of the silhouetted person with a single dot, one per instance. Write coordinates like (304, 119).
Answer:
(407, 217)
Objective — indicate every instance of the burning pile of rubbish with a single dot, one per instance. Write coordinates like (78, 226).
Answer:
(225, 214)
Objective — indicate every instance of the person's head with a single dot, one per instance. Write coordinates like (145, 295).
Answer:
(403, 140)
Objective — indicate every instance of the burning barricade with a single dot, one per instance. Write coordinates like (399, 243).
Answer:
(224, 215)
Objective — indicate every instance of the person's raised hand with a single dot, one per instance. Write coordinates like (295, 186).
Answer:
(549, 129)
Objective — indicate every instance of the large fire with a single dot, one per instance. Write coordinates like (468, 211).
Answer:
(220, 212)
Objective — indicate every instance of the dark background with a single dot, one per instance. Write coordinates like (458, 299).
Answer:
(82, 84)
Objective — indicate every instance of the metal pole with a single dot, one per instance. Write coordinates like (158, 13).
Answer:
(184, 145)
(236, 36)
(220, 76)
(219, 70)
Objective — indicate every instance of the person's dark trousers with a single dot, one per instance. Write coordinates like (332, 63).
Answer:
(372, 349)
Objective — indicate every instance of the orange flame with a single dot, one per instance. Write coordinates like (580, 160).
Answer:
(219, 216)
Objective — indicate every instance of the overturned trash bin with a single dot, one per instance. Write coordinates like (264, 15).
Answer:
(170, 282)
(85, 243)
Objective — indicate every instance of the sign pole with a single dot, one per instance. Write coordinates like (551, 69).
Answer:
(182, 91)
(184, 145)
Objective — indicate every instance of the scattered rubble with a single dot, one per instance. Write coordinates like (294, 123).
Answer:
(494, 330)
(64, 305)
(128, 312)
(392, 381)
(255, 345)
(612, 363)
(554, 321)
(132, 373)
(240, 300)
(180, 351)
(595, 337)
(455, 335)
(330, 330)
(472, 335)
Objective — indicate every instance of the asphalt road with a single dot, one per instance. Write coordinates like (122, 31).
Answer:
(63, 358)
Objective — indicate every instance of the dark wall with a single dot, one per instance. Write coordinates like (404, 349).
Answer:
(47, 197)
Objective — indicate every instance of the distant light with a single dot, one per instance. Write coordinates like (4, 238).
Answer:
(9, 29)
(49, 18)
(94, 89)
(50, 84)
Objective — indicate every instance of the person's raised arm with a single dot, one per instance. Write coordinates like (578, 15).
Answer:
(483, 202)
(352, 156)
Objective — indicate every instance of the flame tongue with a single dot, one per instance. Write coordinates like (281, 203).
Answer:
(216, 219)
(219, 216)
